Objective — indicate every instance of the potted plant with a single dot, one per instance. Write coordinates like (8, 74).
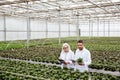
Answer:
(80, 61)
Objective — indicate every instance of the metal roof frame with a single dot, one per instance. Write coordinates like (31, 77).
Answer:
(68, 9)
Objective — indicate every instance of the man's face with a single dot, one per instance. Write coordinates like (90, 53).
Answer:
(80, 46)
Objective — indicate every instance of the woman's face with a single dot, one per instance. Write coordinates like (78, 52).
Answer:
(65, 48)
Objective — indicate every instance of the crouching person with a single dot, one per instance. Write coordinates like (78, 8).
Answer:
(66, 56)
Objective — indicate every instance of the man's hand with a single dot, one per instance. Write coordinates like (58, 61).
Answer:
(73, 61)
(81, 64)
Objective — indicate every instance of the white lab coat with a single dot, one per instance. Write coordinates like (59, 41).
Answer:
(67, 57)
(86, 56)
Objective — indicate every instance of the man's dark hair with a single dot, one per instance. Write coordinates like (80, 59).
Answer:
(80, 41)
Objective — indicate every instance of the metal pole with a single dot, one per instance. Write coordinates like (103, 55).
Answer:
(92, 28)
(108, 28)
(4, 27)
(28, 31)
(69, 29)
(97, 27)
(59, 28)
(104, 27)
(79, 32)
(89, 27)
(77, 26)
(46, 27)
(28, 27)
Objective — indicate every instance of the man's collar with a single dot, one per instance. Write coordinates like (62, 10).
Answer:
(82, 49)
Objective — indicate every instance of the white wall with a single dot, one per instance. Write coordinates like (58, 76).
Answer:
(114, 28)
(17, 27)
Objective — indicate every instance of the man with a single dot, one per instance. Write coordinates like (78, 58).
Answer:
(84, 54)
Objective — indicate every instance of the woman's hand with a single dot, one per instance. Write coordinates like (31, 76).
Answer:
(66, 63)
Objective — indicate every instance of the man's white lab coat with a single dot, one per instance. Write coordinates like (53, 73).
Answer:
(86, 56)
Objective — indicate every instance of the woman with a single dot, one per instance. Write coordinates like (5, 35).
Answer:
(66, 56)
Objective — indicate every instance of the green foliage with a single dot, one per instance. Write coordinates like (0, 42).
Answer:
(105, 51)
(80, 60)
(17, 70)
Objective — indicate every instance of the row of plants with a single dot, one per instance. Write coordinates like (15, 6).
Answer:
(31, 53)
(9, 76)
(105, 51)
(94, 43)
(43, 72)
(108, 60)
(105, 67)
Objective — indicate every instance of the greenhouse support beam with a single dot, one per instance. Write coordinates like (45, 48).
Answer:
(99, 6)
(104, 28)
(108, 28)
(28, 31)
(97, 27)
(46, 27)
(16, 1)
(59, 27)
(28, 27)
(117, 6)
(69, 29)
(89, 27)
(4, 27)
(77, 27)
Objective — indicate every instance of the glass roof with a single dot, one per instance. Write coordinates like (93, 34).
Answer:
(65, 9)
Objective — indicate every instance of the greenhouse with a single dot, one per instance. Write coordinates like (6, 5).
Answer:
(33, 34)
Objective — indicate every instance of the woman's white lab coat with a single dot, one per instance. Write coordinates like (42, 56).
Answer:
(67, 57)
